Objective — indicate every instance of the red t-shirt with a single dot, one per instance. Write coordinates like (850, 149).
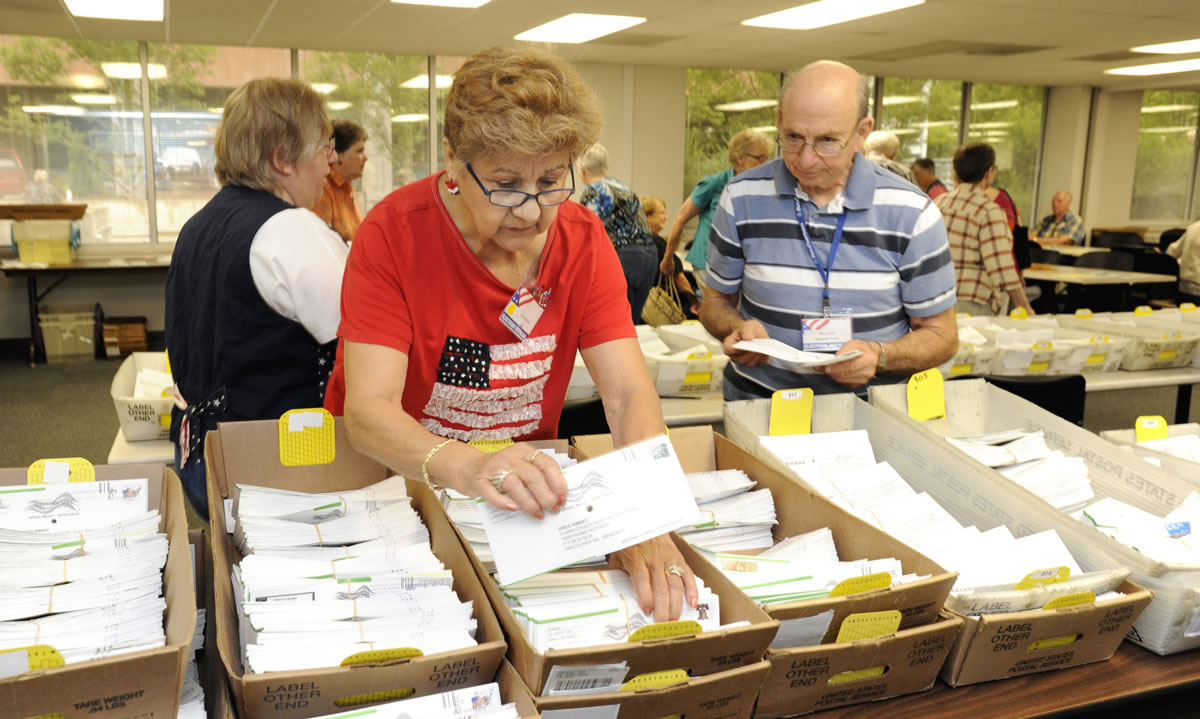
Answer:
(414, 285)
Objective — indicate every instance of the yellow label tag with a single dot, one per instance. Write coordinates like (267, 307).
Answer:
(1143, 310)
(690, 322)
(961, 369)
(858, 585)
(1038, 577)
(857, 675)
(697, 378)
(168, 392)
(791, 412)
(1083, 313)
(655, 680)
(962, 315)
(491, 446)
(38, 656)
(164, 420)
(1098, 340)
(700, 355)
(663, 630)
(1019, 313)
(1150, 427)
(1095, 359)
(1071, 600)
(868, 625)
(926, 395)
(1038, 366)
(1168, 336)
(379, 656)
(1167, 355)
(306, 437)
(62, 470)
(1043, 345)
(388, 695)
(1052, 642)
(167, 360)
(1187, 307)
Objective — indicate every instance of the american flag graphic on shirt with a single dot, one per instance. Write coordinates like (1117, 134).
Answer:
(489, 391)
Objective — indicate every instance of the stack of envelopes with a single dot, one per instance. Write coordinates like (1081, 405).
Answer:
(1025, 458)
(732, 516)
(479, 702)
(81, 569)
(327, 576)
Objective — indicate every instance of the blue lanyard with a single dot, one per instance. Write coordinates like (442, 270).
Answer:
(824, 272)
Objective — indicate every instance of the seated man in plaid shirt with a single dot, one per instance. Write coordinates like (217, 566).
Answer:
(980, 241)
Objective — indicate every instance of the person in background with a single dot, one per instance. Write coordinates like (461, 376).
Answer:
(336, 205)
(1063, 227)
(655, 208)
(619, 208)
(881, 148)
(431, 359)
(924, 173)
(822, 235)
(40, 191)
(980, 240)
(1187, 250)
(1001, 197)
(747, 149)
(252, 290)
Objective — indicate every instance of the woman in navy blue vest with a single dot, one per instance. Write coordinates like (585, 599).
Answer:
(254, 284)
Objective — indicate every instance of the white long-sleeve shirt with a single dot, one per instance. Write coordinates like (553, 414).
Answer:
(1187, 250)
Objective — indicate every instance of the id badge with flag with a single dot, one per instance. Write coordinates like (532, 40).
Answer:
(523, 311)
(825, 334)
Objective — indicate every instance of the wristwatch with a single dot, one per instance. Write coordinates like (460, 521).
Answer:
(882, 363)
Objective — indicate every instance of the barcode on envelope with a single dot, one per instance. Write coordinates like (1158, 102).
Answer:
(576, 685)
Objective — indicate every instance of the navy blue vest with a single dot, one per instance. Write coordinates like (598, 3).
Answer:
(222, 337)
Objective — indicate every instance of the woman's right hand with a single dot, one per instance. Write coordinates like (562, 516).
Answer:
(667, 266)
(530, 479)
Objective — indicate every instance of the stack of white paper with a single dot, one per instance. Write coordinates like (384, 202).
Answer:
(1025, 458)
(480, 702)
(731, 516)
(152, 383)
(326, 576)
(75, 579)
(464, 513)
(1184, 446)
(570, 609)
(1164, 539)
(191, 698)
(833, 465)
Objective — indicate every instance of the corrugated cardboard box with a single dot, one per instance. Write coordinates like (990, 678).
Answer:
(132, 686)
(248, 453)
(725, 695)
(514, 691)
(701, 654)
(973, 494)
(799, 679)
(141, 418)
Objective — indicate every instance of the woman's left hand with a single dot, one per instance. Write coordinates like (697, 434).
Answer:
(658, 590)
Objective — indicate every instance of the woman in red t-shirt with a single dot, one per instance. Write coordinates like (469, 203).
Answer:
(431, 358)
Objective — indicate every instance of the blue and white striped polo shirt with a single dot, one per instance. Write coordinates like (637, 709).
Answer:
(893, 262)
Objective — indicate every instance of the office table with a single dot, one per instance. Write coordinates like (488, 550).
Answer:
(1076, 250)
(31, 273)
(1183, 377)
(1132, 674)
(686, 411)
(150, 450)
(1073, 275)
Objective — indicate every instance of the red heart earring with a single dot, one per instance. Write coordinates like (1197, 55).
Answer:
(451, 185)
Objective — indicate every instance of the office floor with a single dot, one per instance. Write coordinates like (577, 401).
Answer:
(65, 410)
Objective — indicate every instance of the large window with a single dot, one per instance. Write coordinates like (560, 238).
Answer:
(389, 96)
(721, 103)
(1166, 156)
(71, 130)
(925, 115)
(1009, 118)
(188, 87)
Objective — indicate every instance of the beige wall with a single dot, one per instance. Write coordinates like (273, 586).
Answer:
(1065, 140)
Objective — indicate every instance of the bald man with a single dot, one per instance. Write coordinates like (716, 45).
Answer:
(826, 251)
(1061, 228)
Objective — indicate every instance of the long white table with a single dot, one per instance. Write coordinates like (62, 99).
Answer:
(686, 411)
(150, 450)
(1073, 275)
(1183, 377)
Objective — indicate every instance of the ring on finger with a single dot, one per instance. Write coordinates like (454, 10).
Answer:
(498, 477)
(534, 455)
(674, 570)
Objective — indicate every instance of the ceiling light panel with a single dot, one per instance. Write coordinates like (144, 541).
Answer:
(1158, 68)
(444, 3)
(1171, 48)
(828, 12)
(139, 10)
(579, 27)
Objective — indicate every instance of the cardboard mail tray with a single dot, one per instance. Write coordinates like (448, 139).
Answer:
(141, 417)
(248, 453)
(970, 492)
(702, 654)
(799, 678)
(131, 686)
